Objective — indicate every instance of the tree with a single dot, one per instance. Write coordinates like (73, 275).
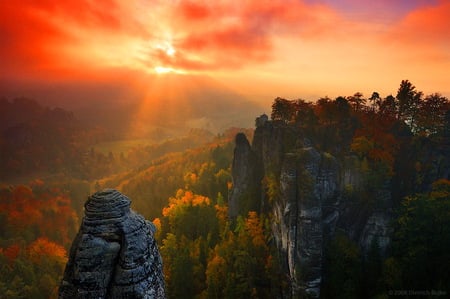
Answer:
(216, 274)
(421, 243)
(357, 101)
(343, 269)
(409, 101)
(404, 96)
(305, 113)
(283, 110)
(388, 108)
(431, 114)
(239, 265)
(375, 100)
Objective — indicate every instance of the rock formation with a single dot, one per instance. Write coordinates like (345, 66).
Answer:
(114, 254)
(245, 179)
(310, 205)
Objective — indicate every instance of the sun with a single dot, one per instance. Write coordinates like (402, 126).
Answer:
(167, 48)
(170, 51)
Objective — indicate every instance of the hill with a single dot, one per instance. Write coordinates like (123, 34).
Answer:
(127, 107)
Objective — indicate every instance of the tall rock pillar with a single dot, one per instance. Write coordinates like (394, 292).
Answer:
(246, 192)
(114, 254)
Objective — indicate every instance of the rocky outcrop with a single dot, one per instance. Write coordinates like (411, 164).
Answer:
(308, 179)
(246, 191)
(270, 142)
(311, 204)
(114, 254)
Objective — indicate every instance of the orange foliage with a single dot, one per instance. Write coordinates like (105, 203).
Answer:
(216, 270)
(22, 192)
(158, 226)
(49, 214)
(255, 229)
(221, 214)
(374, 142)
(191, 178)
(42, 247)
(229, 185)
(12, 252)
(157, 223)
(37, 183)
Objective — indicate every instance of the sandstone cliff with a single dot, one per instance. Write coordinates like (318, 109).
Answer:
(306, 199)
(246, 188)
(114, 254)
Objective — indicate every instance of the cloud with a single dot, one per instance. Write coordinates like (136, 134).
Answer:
(74, 38)
(191, 10)
(37, 35)
(50, 35)
(429, 24)
(24, 36)
(420, 44)
(232, 35)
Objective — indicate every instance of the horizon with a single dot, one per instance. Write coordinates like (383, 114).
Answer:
(258, 50)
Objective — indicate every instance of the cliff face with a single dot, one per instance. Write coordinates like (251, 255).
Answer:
(309, 206)
(308, 179)
(114, 254)
(246, 175)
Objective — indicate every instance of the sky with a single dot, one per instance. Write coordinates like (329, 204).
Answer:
(258, 49)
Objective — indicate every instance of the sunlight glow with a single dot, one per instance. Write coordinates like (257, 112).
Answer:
(167, 48)
(177, 37)
(170, 51)
(163, 70)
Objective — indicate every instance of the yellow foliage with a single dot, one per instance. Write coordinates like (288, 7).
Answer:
(185, 198)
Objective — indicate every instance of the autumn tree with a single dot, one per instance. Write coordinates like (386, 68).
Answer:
(240, 264)
(375, 101)
(409, 101)
(421, 244)
(431, 114)
(388, 108)
(357, 101)
(193, 229)
(305, 115)
(283, 110)
(336, 124)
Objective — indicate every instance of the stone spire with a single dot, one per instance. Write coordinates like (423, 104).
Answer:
(114, 254)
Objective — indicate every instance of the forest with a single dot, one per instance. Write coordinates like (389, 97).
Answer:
(50, 163)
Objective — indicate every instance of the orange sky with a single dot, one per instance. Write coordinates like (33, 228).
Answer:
(260, 49)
